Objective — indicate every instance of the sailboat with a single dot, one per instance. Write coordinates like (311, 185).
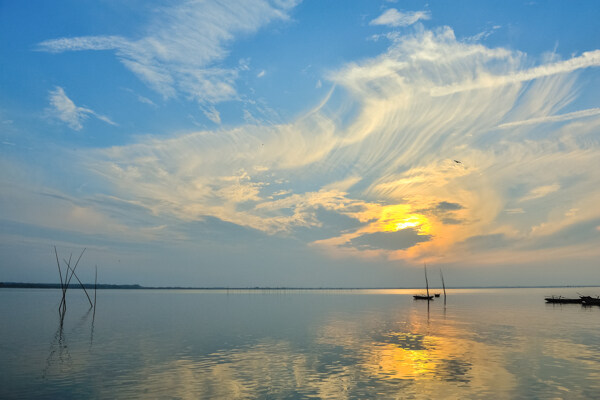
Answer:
(420, 296)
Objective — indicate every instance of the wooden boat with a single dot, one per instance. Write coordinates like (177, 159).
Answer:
(436, 294)
(563, 300)
(420, 296)
(590, 301)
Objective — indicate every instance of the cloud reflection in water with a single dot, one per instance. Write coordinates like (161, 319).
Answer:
(347, 358)
(500, 344)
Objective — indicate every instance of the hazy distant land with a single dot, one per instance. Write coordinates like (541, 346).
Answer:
(26, 285)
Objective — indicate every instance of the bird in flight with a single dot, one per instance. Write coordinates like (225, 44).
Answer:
(458, 162)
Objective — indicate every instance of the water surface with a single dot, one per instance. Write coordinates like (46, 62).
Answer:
(358, 344)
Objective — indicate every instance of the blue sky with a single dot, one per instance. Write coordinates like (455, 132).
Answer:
(288, 143)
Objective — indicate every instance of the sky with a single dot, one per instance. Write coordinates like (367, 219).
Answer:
(301, 143)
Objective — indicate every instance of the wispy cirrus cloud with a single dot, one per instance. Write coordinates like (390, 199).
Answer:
(395, 18)
(63, 109)
(553, 118)
(483, 35)
(83, 43)
(586, 60)
(541, 191)
(387, 164)
(179, 53)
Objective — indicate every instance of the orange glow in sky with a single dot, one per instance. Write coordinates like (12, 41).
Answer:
(399, 216)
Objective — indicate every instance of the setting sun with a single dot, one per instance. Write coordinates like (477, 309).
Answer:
(397, 217)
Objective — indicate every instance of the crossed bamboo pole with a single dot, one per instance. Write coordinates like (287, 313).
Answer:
(66, 280)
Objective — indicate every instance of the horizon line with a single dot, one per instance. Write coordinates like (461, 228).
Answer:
(31, 285)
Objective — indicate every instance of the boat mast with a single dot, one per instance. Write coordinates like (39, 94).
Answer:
(426, 283)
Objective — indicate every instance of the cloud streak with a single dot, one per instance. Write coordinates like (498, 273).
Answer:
(395, 18)
(63, 109)
(487, 81)
(552, 118)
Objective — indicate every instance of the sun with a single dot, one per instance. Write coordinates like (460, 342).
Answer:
(410, 222)
(400, 216)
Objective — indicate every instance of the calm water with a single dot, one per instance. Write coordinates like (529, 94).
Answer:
(500, 343)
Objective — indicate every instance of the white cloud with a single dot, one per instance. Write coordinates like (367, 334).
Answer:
(395, 18)
(489, 80)
(212, 113)
(261, 74)
(552, 118)
(63, 108)
(541, 191)
(146, 100)
(572, 212)
(392, 144)
(83, 43)
(179, 53)
(483, 35)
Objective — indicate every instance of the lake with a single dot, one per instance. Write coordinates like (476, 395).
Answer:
(299, 344)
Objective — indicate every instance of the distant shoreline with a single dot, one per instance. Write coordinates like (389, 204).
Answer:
(24, 285)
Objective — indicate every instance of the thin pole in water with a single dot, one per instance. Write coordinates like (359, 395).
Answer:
(59, 272)
(82, 286)
(95, 287)
(444, 286)
(62, 284)
(426, 282)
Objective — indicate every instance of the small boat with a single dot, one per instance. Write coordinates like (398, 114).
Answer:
(421, 296)
(436, 294)
(590, 301)
(563, 300)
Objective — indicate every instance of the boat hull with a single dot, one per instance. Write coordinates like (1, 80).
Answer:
(590, 301)
(563, 300)
(417, 297)
(585, 300)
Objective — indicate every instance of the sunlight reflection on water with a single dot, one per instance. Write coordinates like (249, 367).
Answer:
(500, 343)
